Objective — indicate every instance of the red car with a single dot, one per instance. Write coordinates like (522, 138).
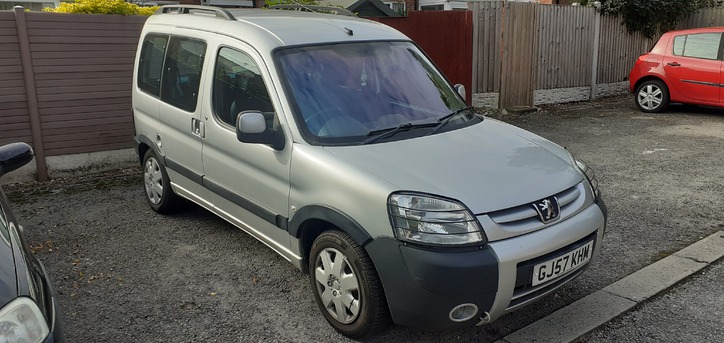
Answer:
(685, 67)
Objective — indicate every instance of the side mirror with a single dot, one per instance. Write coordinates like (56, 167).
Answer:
(461, 90)
(251, 128)
(14, 156)
(251, 123)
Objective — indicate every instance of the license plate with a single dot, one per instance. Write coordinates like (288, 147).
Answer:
(561, 265)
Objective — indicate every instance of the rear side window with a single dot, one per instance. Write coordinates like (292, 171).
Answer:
(700, 45)
(182, 72)
(151, 63)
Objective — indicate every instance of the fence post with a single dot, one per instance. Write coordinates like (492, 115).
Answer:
(503, 32)
(31, 94)
(596, 47)
(475, 7)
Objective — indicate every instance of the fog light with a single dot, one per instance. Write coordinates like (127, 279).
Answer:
(463, 312)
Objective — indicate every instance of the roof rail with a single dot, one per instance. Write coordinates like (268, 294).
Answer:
(314, 8)
(190, 9)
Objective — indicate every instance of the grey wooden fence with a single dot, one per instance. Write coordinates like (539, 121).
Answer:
(619, 50)
(573, 46)
(565, 36)
(487, 26)
(704, 18)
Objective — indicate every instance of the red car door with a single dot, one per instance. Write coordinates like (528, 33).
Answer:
(721, 82)
(693, 67)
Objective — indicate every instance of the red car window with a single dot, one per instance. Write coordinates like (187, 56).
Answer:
(700, 45)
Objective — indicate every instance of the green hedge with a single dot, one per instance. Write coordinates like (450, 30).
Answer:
(102, 7)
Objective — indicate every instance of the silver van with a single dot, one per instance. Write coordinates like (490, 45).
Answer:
(336, 142)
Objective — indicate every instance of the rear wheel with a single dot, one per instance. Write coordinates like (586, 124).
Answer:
(346, 286)
(652, 96)
(157, 186)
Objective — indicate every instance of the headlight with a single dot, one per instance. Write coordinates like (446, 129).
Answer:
(431, 220)
(589, 175)
(22, 321)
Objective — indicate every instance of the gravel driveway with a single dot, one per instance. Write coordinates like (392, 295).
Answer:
(127, 274)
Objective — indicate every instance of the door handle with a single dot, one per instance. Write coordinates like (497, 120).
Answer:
(674, 64)
(198, 128)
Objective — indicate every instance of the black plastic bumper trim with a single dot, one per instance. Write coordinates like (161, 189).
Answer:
(423, 285)
(269, 216)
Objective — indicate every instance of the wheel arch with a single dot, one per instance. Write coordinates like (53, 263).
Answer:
(651, 78)
(143, 144)
(310, 221)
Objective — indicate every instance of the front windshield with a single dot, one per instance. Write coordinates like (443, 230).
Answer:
(346, 93)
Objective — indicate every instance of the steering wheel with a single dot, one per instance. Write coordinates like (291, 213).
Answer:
(343, 126)
(315, 121)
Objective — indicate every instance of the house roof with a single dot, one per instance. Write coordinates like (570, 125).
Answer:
(343, 3)
(372, 8)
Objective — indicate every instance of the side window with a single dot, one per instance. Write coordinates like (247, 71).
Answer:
(701, 45)
(238, 86)
(679, 42)
(151, 63)
(182, 72)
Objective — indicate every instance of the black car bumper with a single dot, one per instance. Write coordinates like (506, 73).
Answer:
(423, 285)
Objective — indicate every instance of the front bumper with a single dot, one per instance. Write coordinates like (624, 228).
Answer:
(56, 335)
(424, 284)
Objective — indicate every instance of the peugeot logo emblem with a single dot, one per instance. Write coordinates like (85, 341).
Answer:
(548, 209)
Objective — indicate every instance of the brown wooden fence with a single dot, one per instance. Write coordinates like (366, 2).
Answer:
(15, 119)
(65, 81)
(523, 47)
(519, 51)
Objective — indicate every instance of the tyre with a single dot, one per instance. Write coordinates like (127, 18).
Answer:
(652, 96)
(158, 190)
(346, 286)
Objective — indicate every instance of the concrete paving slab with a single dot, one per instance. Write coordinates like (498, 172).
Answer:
(690, 312)
(655, 278)
(707, 250)
(574, 320)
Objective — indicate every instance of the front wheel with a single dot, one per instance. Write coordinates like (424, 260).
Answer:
(158, 190)
(346, 286)
(652, 96)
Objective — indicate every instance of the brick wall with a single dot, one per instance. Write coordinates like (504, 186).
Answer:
(411, 5)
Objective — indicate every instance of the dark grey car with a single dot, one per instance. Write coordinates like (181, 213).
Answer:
(29, 310)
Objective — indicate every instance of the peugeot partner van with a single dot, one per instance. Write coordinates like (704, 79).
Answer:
(336, 142)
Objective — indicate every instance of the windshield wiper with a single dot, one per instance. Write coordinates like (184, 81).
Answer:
(384, 133)
(446, 119)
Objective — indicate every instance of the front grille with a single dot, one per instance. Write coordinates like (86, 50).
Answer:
(525, 218)
(525, 291)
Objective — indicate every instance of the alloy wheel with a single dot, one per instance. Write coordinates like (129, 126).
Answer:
(650, 97)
